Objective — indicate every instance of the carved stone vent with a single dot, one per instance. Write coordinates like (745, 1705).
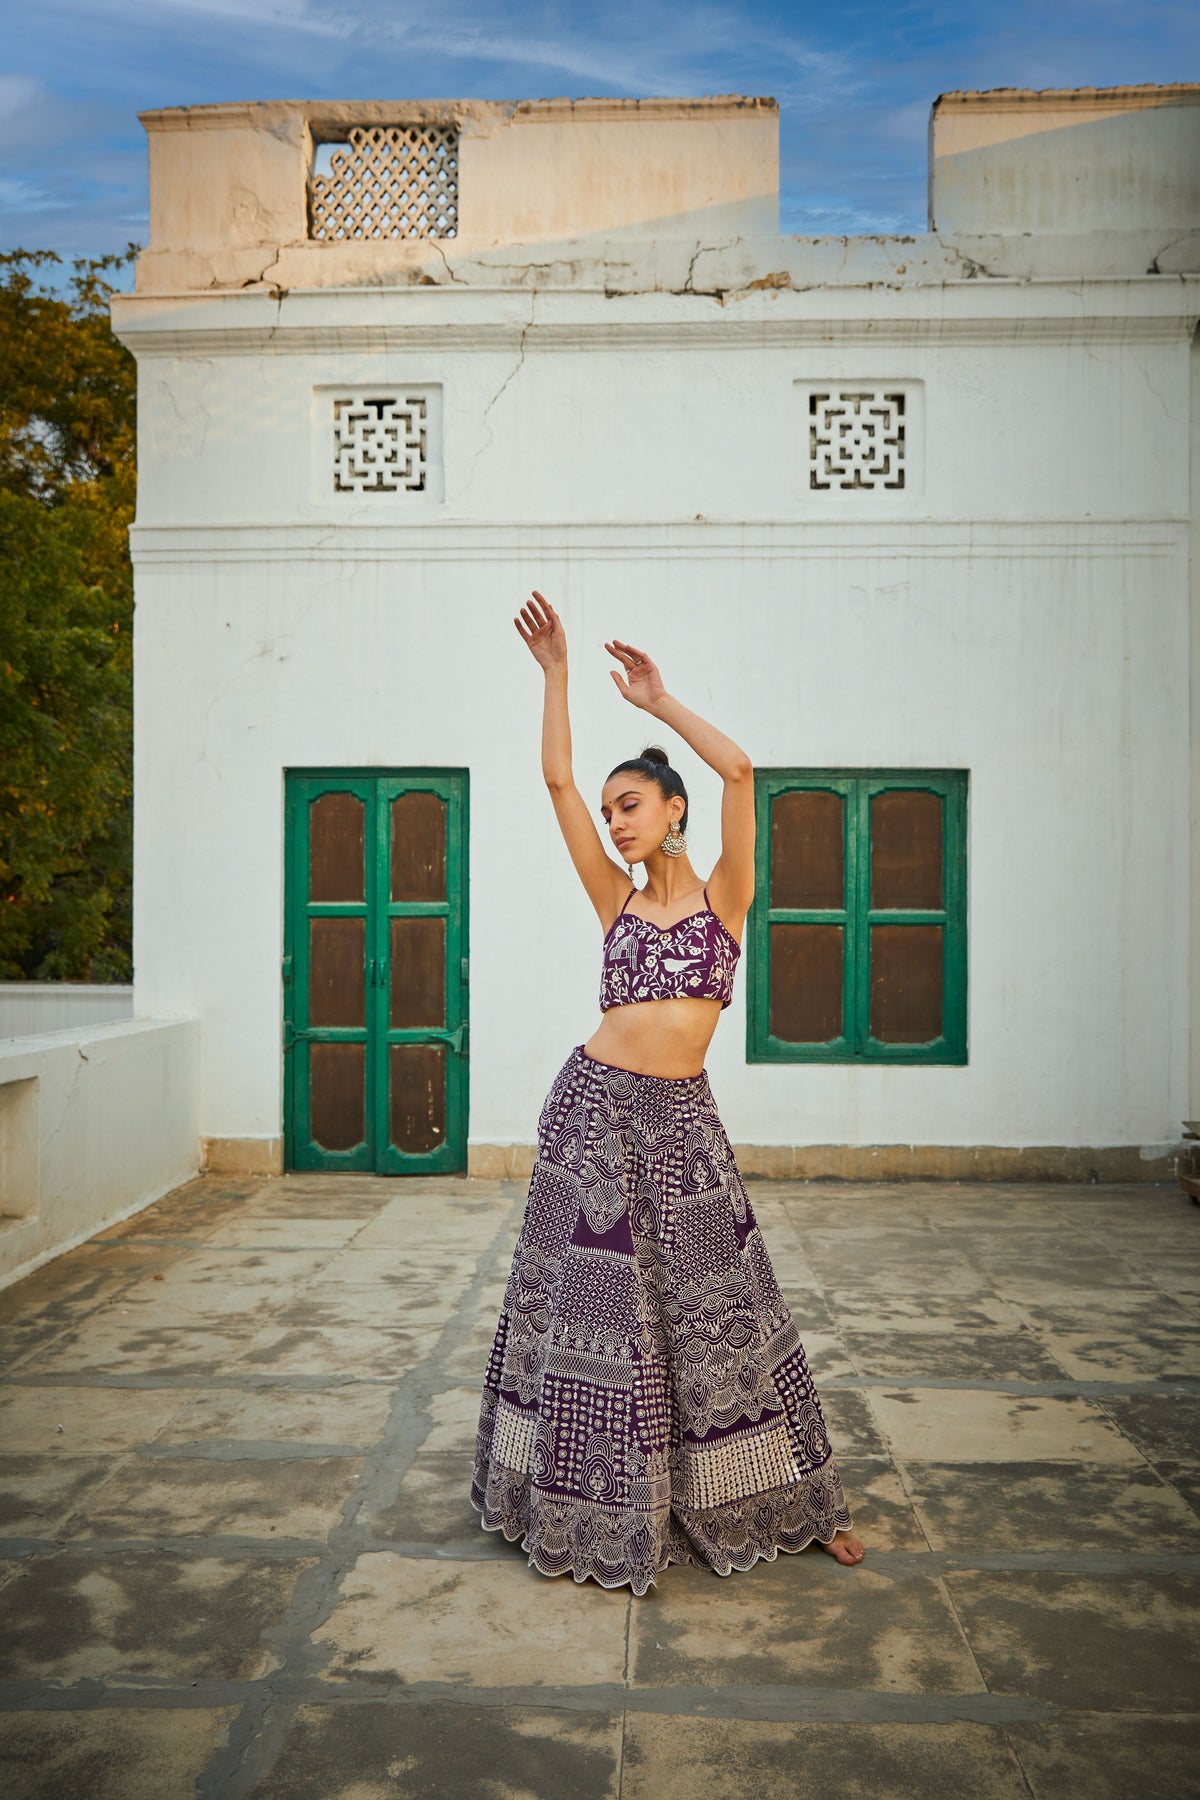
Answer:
(379, 443)
(388, 181)
(856, 438)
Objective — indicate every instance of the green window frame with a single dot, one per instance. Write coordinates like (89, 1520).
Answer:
(877, 995)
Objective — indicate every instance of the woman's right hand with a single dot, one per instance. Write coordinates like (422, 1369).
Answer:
(543, 631)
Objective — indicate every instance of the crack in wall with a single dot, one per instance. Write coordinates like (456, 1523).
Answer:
(498, 395)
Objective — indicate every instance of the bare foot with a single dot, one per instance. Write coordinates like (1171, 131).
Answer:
(845, 1546)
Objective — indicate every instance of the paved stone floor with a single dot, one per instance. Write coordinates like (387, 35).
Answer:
(238, 1556)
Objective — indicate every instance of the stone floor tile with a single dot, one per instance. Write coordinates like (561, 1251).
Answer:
(1159, 1424)
(370, 1353)
(326, 1306)
(349, 1415)
(808, 1306)
(1046, 1506)
(883, 1513)
(265, 1231)
(37, 1493)
(934, 1275)
(26, 1337)
(1165, 1353)
(454, 1416)
(111, 1753)
(980, 1356)
(450, 1270)
(1184, 1477)
(1131, 1308)
(116, 1342)
(331, 1204)
(259, 1271)
(444, 1750)
(852, 1427)
(1178, 1275)
(432, 1504)
(978, 1425)
(804, 1619)
(688, 1758)
(494, 1624)
(431, 1233)
(827, 1356)
(78, 1616)
(1115, 1643)
(468, 1361)
(195, 1497)
(1074, 1281)
(901, 1309)
(1109, 1757)
(93, 1420)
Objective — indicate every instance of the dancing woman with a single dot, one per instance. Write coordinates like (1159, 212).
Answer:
(647, 1400)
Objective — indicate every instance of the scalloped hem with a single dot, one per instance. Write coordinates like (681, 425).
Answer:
(631, 1581)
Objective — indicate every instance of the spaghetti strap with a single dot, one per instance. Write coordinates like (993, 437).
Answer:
(628, 898)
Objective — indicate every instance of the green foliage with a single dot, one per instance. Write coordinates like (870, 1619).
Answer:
(68, 436)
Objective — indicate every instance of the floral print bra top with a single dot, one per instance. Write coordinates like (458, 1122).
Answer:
(695, 958)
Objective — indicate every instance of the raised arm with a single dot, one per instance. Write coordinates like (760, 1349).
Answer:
(731, 884)
(605, 880)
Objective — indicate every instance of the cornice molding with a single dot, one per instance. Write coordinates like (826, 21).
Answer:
(727, 328)
(770, 540)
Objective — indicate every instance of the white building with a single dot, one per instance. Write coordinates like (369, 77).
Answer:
(914, 519)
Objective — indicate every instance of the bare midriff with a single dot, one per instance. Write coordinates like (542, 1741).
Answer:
(656, 1037)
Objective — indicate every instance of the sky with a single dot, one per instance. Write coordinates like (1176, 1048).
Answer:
(854, 83)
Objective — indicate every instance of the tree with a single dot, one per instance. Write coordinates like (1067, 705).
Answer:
(68, 438)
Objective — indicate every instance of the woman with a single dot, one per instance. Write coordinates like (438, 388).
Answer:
(647, 1400)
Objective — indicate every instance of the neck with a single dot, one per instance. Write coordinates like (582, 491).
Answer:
(669, 878)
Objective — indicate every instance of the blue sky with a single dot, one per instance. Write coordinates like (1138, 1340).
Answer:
(854, 82)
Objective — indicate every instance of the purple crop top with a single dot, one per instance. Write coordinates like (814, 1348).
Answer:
(694, 958)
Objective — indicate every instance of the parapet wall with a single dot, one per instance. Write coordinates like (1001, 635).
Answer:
(626, 196)
(237, 190)
(1106, 173)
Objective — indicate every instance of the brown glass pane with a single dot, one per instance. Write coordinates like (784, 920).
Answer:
(335, 848)
(806, 983)
(336, 985)
(418, 997)
(417, 1096)
(418, 847)
(807, 858)
(906, 848)
(906, 983)
(336, 1094)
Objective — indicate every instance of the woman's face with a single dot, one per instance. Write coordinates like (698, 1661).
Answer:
(637, 814)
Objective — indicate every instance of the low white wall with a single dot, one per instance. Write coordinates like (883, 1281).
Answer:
(94, 1125)
(34, 1007)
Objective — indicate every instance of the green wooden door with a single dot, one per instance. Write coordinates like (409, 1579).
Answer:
(375, 970)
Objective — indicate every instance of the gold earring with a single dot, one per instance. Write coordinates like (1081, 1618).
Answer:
(674, 844)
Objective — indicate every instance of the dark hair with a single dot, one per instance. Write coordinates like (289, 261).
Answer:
(653, 764)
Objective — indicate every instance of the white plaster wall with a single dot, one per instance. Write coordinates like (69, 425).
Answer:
(40, 1006)
(94, 1125)
(1049, 661)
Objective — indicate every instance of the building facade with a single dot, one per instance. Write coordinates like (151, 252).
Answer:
(913, 519)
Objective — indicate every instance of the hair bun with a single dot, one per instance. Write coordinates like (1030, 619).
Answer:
(652, 753)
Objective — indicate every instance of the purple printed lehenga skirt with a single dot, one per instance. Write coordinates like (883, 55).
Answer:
(647, 1399)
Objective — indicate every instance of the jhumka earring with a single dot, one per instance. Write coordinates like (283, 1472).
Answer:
(674, 844)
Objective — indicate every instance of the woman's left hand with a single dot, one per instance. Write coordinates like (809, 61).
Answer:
(643, 684)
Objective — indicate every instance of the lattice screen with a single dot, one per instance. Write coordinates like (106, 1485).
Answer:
(379, 443)
(857, 438)
(390, 181)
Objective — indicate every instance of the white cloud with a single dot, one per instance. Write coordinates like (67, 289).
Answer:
(24, 197)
